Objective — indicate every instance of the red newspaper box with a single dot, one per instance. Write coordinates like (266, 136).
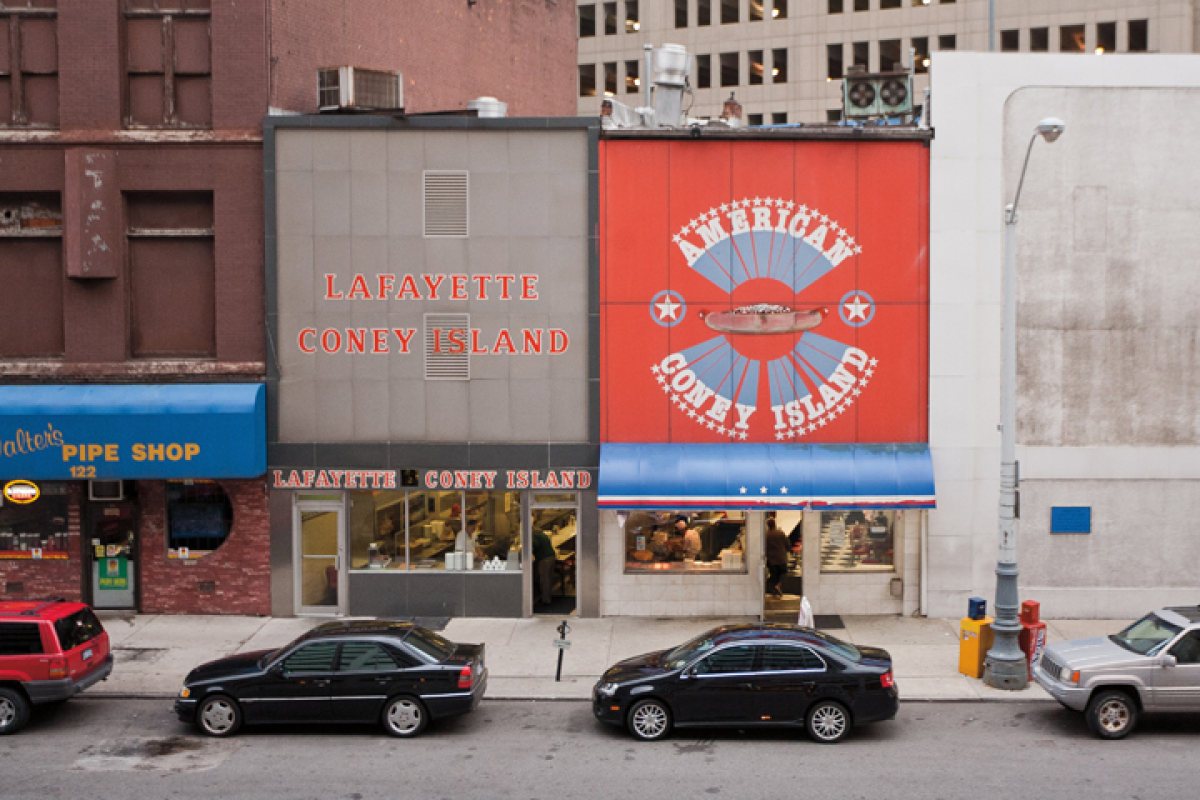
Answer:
(1033, 633)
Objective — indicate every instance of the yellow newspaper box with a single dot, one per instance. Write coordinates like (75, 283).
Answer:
(974, 641)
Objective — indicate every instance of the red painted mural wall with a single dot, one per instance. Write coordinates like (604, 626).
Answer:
(759, 291)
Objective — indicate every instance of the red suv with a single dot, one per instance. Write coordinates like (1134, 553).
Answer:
(49, 650)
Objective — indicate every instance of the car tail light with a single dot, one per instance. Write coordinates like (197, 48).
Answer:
(887, 680)
(464, 677)
(58, 668)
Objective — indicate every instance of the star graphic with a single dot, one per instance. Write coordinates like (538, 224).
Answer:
(667, 309)
(811, 428)
(779, 436)
(833, 226)
(757, 200)
(783, 489)
(710, 424)
(857, 392)
(790, 205)
(664, 386)
(821, 422)
(869, 372)
(735, 205)
(874, 361)
(661, 380)
(721, 430)
(849, 241)
(857, 308)
(742, 490)
(779, 202)
(863, 381)
(676, 238)
(655, 369)
(724, 206)
(712, 212)
(742, 435)
(745, 202)
(763, 490)
(824, 218)
(857, 250)
(802, 209)
(691, 413)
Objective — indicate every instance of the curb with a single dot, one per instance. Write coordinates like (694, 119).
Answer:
(529, 699)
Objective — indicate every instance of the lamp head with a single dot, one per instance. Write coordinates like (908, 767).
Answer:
(1051, 128)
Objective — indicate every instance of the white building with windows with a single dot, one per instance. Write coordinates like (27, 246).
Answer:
(783, 59)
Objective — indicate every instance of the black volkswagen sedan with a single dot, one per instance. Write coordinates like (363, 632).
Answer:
(750, 675)
(395, 673)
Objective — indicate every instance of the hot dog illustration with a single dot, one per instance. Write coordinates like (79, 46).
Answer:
(763, 319)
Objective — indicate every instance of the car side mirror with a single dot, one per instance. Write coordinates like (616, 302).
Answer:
(276, 669)
(1167, 660)
(690, 672)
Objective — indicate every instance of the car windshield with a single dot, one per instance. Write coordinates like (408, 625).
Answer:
(430, 644)
(1147, 636)
(674, 659)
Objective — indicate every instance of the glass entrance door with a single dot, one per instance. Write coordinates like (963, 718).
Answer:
(113, 539)
(553, 536)
(320, 566)
(783, 580)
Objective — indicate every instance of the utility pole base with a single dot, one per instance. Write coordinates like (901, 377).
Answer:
(1012, 676)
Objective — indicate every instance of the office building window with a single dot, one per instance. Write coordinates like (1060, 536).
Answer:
(587, 80)
(755, 58)
(779, 9)
(168, 65)
(1072, 39)
(834, 69)
(889, 4)
(172, 273)
(610, 78)
(29, 66)
(31, 271)
(779, 65)
(703, 12)
(1010, 41)
(862, 5)
(729, 69)
(779, 118)
(947, 42)
(633, 23)
(1106, 37)
(1139, 35)
(889, 55)
(729, 11)
(835, 6)
(610, 19)
(754, 119)
(681, 15)
(703, 72)
(921, 45)
(862, 55)
(1039, 40)
(587, 21)
(833, 115)
(632, 84)
(755, 10)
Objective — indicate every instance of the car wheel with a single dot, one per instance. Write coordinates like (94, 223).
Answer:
(14, 711)
(1112, 714)
(828, 722)
(649, 720)
(219, 715)
(405, 717)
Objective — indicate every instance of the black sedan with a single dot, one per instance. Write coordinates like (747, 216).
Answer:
(395, 673)
(750, 675)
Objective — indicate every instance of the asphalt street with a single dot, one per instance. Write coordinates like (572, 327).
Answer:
(133, 749)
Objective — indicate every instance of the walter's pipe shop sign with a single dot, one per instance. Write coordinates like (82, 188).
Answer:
(765, 292)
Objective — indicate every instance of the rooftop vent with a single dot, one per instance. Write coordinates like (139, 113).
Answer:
(446, 203)
(358, 89)
(488, 107)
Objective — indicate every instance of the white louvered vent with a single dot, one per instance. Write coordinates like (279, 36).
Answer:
(444, 333)
(446, 203)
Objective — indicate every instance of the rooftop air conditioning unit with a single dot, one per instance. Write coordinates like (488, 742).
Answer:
(358, 89)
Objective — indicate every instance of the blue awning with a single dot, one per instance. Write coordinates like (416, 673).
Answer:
(749, 477)
(133, 432)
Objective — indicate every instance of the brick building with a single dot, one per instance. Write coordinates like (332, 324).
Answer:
(132, 353)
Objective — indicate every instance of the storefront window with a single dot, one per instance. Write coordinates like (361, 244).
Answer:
(857, 541)
(685, 541)
(425, 531)
(38, 529)
(199, 516)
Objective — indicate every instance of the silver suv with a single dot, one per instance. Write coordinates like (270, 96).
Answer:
(1153, 665)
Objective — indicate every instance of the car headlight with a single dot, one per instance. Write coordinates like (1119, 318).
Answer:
(185, 692)
(607, 689)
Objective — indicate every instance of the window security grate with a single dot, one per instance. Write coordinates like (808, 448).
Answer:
(444, 335)
(446, 203)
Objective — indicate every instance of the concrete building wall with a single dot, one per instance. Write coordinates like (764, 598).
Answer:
(350, 203)
(519, 51)
(808, 29)
(1107, 362)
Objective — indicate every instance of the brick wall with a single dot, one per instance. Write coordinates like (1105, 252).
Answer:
(519, 51)
(23, 580)
(234, 579)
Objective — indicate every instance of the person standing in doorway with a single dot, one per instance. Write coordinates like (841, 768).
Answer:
(544, 557)
(777, 558)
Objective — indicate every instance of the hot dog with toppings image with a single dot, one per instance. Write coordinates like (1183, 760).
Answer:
(763, 318)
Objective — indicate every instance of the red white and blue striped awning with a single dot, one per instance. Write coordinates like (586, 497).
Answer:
(758, 477)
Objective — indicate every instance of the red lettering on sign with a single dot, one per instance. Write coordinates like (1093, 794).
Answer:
(408, 287)
(475, 348)
(404, 335)
(358, 289)
(457, 338)
(379, 340)
(504, 343)
(533, 342)
(481, 284)
(529, 287)
(386, 284)
(558, 341)
(356, 340)
(458, 287)
(505, 280)
(433, 282)
(307, 332)
(337, 341)
(329, 295)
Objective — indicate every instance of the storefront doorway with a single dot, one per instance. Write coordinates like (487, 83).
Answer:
(554, 531)
(112, 554)
(320, 579)
(783, 582)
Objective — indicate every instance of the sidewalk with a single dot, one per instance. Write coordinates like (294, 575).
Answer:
(154, 653)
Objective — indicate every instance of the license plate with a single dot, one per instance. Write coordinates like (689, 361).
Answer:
(87, 654)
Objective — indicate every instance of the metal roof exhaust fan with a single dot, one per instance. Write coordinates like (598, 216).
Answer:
(672, 67)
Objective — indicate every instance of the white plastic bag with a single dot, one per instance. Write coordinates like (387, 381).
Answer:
(806, 619)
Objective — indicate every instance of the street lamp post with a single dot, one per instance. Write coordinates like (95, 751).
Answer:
(1005, 665)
